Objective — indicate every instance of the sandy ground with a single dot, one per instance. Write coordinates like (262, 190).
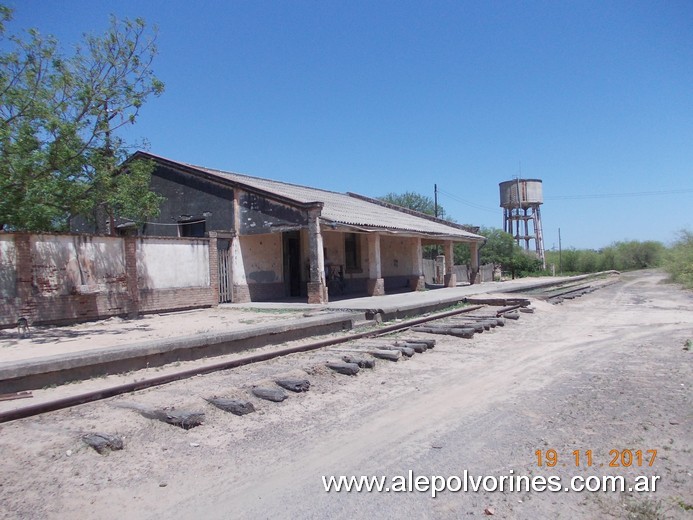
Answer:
(608, 371)
(53, 340)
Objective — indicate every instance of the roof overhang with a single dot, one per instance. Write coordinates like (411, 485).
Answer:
(425, 236)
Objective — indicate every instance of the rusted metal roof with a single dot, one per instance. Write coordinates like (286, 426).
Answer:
(344, 208)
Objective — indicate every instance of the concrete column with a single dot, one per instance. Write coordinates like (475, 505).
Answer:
(474, 263)
(450, 276)
(376, 283)
(240, 292)
(317, 288)
(416, 281)
(239, 289)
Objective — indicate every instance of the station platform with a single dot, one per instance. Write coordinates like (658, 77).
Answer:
(55, 355)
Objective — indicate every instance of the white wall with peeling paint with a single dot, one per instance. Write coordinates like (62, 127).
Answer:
(396, 255)
(170, 264)
(8, 267)
(262, 258)
(71, 264)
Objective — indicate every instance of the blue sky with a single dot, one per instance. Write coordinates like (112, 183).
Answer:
(382, 96)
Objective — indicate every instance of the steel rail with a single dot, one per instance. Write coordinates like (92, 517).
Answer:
(563, 293)
(105, 393)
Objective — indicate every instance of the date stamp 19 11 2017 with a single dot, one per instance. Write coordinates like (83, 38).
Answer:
(617, 458)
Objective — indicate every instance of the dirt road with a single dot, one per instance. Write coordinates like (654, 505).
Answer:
(609, 371)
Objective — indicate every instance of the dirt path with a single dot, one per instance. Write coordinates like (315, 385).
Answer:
(607, 371)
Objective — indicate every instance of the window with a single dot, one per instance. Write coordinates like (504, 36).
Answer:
(192, 229)
(352, 252)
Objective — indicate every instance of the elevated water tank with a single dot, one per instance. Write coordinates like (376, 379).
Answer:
(521, 200)
(521, 193)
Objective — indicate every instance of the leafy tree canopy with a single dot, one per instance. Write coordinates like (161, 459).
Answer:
(59, 121)
(502, 251)
(415, 201)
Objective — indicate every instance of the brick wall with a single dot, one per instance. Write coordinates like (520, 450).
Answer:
(54, 279)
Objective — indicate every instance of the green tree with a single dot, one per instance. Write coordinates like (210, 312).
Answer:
(422, 204)
(415, 201)
(638, 255)
(502, 251)
(607, 259)
(59, 119)
(589, 261)
(499, 248)
(523, 263)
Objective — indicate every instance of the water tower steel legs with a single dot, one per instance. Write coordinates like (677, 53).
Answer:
(520, 200)
(512, 224)
(539, 241)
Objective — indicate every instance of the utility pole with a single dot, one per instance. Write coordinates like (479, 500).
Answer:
(560, 263)
(435, 210)
(435, 199)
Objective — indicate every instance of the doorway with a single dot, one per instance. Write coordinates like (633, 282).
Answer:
(292, 263)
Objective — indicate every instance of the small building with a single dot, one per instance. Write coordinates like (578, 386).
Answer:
(284, 240)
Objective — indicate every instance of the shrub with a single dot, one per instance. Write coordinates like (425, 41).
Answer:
(678, 260)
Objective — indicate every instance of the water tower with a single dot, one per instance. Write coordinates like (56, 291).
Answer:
(520, 200)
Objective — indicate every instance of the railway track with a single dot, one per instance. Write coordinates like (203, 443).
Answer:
(347, 354)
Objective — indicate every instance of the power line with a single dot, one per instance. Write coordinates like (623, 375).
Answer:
(576, 197)
(619, 195)
(466, 202)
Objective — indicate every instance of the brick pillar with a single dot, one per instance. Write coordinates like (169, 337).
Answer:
(130, 245)
(213, 269)
(26, 306)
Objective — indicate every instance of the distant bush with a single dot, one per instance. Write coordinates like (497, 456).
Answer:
(678, 260)
(638, 255)
(621, 256)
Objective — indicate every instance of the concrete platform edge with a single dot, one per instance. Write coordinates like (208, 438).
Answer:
(54, 370)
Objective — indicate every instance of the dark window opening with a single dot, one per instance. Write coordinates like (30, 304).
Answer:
(192, 229)
(352, 252)
(129, 229)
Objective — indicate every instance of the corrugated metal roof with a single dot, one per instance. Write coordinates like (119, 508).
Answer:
(342, 208)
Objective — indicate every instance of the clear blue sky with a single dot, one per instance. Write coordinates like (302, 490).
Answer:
(384, 96)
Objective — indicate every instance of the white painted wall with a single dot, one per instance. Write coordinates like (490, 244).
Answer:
(396, 255)
(8, 267)
(333, 242)
(263, 261)
(171, 264)
(69, 264)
